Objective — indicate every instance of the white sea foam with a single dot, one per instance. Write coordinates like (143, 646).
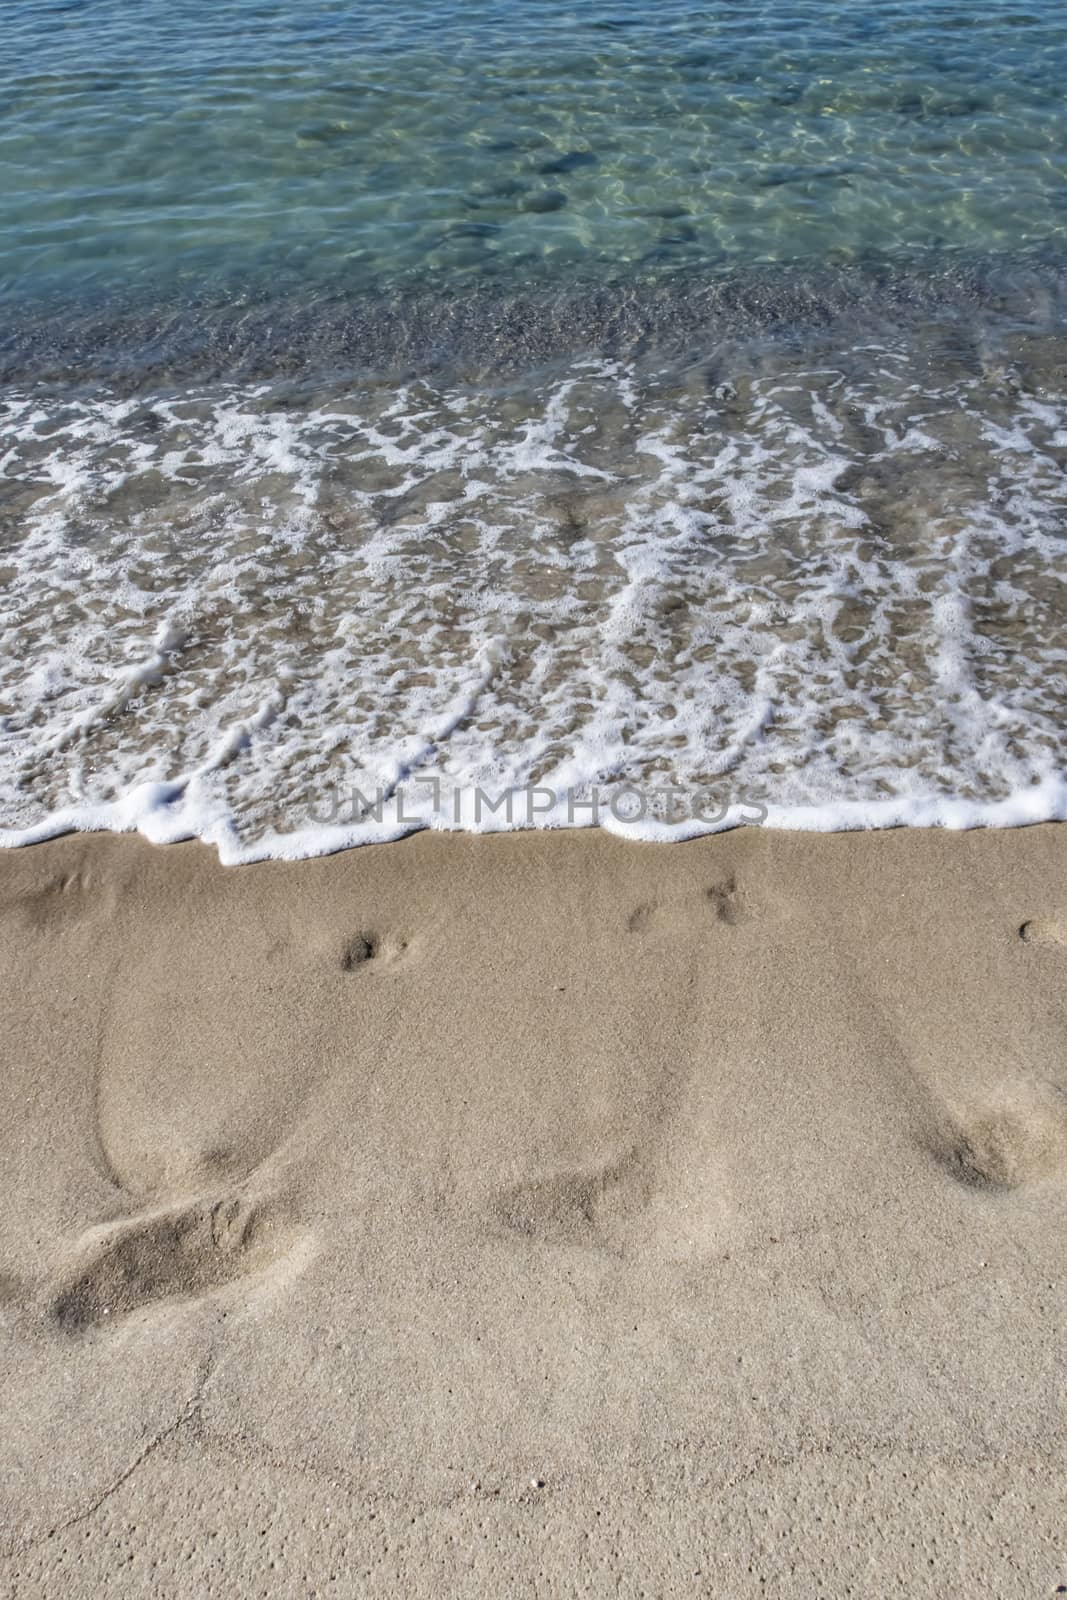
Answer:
(829, 595)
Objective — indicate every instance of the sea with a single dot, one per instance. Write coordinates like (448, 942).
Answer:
(489, 415)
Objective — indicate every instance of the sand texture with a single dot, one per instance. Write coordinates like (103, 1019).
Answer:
(543, 1214)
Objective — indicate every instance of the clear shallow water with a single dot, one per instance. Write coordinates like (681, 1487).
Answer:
(154, 148)
(578, 397)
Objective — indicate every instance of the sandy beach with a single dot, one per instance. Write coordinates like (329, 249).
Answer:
(533, 800)
(541, 1214)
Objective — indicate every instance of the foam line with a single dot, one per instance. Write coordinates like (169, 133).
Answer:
(821, 589)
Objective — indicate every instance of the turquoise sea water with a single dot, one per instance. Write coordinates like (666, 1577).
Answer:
(547, 393)
(161, 153)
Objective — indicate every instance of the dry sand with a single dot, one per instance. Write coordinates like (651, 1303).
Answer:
(545, 1215)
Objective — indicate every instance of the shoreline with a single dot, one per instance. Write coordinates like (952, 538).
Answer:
(536, 1203)
(495, 329)
(158, 814)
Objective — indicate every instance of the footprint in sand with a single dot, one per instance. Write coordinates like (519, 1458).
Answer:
(193, 1154)
(728, 902)
(178, 1252)
(1020, 1139)
(581, 1207)
(641, 918)
(366, 947)
(725, 902)
(1045, 930)
(67, 895)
